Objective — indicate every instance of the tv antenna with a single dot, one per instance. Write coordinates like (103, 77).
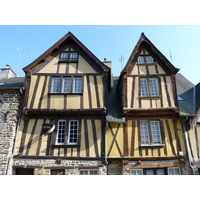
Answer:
(20, 51)
(121, 59)
(170, 53)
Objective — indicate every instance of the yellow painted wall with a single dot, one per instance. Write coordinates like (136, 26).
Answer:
(141, 151)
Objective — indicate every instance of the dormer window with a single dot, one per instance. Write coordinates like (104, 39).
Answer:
(149, 59)
(140, 60)
(68, 56)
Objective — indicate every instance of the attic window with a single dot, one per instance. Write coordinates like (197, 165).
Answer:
(68, 57)
(145, 59)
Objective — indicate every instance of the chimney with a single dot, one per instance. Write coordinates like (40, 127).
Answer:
(109, 64)
(7, 72)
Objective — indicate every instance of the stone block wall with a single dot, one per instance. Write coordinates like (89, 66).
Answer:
(9, 115)
(71, 167)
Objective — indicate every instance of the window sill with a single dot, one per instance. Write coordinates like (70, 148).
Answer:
(147, 63)
(68, 61)
(152, 145)
(150, 97)
(60, 93)
(65, 145)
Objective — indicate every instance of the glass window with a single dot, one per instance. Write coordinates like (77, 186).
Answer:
(77, 88)
(144, 87)
(149, 59)
(88, 172)
(61, 131)
(55, 85)
(140, 60)
(66, 85)
(174, 171)
(154, 87)
(144, 132)
(155, 131)
(73, 132)
(64, 56)
(136, 172)
(73, 56)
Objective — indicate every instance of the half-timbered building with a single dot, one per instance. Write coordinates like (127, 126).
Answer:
(145, 136)
(62, 130)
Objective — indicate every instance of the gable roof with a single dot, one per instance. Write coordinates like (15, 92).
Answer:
(56, 46)
(143, 40)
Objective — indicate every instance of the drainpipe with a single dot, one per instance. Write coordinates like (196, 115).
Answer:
(186, 144)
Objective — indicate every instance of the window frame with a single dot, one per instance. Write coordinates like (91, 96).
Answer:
(71, 56)
(143, 59)
(89, 170)
(72, 83)
(173, 168)
(150, 134)
(67, 132)
(149, 87)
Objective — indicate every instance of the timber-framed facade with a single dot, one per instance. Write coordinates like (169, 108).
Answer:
(62, 130)
(148, 139)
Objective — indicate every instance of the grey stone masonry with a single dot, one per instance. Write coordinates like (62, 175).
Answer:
(71, 166)
(9, 115)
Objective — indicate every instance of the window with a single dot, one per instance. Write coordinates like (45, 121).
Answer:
(88, 172)
(140, 60)
(145, 59)
(67, 56)
(149, 87)
(67, 85)
(136, 172)
(150, 133)
(70, 137)
(174, 171)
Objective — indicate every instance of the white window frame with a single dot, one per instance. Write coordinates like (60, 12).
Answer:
(150, 135)
(73, 56)
(70, 134)
(53, 84)
(88, 171)
(140, 60)
(174, 172)
(149, 59)
(137, 171)
(58, 130)
(64, 56)
(76, 85)
(148, 88)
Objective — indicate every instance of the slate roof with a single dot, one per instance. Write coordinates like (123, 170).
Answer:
(114, 110)
(197, 88)
(186, 94)
(12, 83)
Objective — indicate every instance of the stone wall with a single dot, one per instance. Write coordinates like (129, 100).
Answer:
(9, 114)
(71, 166)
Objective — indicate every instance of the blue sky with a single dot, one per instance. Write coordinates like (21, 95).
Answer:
(105, 41)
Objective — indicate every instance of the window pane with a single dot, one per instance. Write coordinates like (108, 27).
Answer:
(154, 87)
(73, 56)
(144, 87)
(83, 172)
(144, 133)
(140, 59)
(155, 131)
(66, 85)
(160, 172)
(136, 172)
(149, 59)
(55, 85)
(149, 172)
(77, 85)
(93, 172)
(64, 56)
(174, 171)
(61, 130)
(73, 132)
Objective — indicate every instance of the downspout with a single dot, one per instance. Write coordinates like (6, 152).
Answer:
(16, 132)
(186, 144)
